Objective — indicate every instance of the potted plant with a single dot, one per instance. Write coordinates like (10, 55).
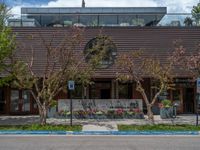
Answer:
(166, 109)
(188, 21)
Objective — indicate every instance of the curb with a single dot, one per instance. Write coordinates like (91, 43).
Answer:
(20, 132)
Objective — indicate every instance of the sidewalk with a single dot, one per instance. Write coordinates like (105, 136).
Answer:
(99, 127)
(20, 120)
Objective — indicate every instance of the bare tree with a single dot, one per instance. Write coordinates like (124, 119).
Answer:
(135, 66)
(61, 63)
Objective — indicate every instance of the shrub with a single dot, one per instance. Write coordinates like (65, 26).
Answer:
(166, 103)
(110, 114)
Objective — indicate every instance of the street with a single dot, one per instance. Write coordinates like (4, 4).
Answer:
(99, 142)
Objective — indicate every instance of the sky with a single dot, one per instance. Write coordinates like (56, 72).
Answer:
(173, 6)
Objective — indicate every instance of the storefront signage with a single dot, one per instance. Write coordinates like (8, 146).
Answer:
(100, 104)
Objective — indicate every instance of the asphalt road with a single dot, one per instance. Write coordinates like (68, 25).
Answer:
(99, 142)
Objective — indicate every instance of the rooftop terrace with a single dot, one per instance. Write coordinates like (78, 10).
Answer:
(101, 16)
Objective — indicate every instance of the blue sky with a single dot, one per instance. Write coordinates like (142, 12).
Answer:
(25, 2)
(174, 6)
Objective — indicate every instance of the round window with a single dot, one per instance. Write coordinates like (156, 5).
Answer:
(102, 49)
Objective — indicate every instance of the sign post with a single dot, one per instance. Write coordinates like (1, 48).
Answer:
(70, 88)
(197, 101)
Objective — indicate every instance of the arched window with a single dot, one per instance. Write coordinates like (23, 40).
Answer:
(104, 48)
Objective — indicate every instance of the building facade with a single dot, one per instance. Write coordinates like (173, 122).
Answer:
(130, 29)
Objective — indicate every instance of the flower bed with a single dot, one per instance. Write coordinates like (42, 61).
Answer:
(118, 113)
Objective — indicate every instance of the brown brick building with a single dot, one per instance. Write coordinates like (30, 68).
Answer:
(130, 29)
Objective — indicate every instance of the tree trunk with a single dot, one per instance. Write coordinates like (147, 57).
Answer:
(41, 107)
(149, 106)
(150, 114)
(43, 116)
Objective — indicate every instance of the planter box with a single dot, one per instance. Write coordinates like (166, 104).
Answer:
(166, 113)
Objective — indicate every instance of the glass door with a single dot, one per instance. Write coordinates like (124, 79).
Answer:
(177, 98)
(2, 102)
(25, 101)
(188, 100)
(20, 101)
(14, 101)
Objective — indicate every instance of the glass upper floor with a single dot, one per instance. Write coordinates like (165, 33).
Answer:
(114, 17)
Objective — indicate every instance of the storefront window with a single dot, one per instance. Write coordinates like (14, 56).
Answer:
(125, 91)
(26, 100)
(100, 90)
(77, 93)
(14, 101)
(20, 101)
(2, 100)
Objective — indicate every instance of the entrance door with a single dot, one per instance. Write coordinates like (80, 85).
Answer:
(177, 98)
(2, 102)
(105, 93)
(20, 101)
(101, 90)
(189, 100)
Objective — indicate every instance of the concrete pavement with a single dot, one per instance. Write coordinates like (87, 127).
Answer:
(99, 142)
(18, 120)
(97, 124)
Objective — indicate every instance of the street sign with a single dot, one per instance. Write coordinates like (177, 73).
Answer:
(198, 85)
(70, 85)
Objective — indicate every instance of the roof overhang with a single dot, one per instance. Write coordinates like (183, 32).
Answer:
(94, 10)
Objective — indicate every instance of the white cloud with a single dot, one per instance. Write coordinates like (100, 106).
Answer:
(173, 6)
(102, 3)
(178, 6)
(16, 10)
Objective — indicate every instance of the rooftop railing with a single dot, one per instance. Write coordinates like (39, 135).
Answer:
(128, 20)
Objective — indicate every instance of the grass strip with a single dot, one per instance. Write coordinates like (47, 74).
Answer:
(160, 127)
(38, 127)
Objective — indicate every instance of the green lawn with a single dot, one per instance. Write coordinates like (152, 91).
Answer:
(160, 127)
(39, 127)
